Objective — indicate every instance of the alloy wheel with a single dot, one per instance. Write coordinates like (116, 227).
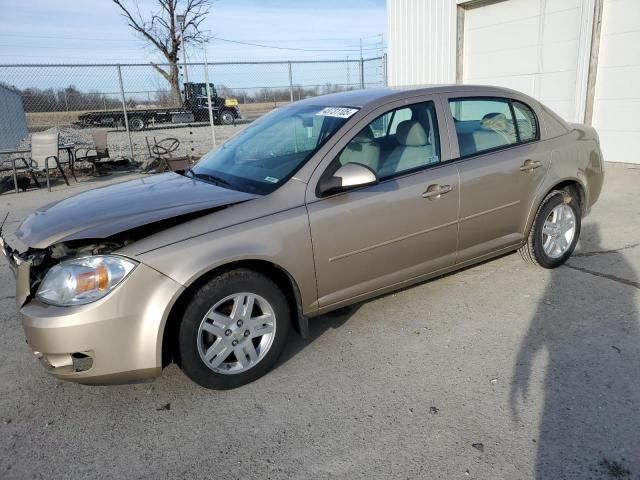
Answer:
(558, 231)
(236, 333)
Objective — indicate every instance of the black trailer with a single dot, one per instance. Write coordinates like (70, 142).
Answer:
(194, 109)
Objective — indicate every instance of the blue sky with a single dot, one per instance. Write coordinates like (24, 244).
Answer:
(91, 31)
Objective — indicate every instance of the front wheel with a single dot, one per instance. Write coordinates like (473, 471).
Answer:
(555, 231)
(233, 330)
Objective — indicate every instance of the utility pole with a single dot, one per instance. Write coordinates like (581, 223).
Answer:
(184, 47)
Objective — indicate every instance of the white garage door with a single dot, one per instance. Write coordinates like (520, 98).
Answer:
(529, 45)
(616, 110)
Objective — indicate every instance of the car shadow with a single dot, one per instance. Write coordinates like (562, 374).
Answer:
(587, 324)
(317, 326)
(337, 318)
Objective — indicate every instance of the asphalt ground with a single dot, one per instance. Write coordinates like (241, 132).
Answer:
(499, 371)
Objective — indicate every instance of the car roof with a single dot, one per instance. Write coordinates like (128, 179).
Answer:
(376, 96)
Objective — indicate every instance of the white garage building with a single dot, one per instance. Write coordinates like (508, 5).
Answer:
(580, 57)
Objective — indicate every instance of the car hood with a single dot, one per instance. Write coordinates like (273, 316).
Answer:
(113, 209)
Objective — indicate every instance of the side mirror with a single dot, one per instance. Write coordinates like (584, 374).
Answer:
(351, 175)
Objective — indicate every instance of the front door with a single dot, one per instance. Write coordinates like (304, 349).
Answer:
(401, 228)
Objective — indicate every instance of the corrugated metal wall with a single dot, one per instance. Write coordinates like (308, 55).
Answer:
(538, 47)
(550, 61)
(12, 118)
(422, 41)
(617, 93)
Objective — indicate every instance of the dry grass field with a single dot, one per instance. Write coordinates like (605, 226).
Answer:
(49, 119)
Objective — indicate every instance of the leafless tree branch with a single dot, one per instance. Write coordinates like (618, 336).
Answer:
(162, 31)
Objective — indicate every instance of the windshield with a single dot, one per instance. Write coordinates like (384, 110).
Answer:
(269, 151)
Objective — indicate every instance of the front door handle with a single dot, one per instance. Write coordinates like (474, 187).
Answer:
(530, 165)
(434, 191)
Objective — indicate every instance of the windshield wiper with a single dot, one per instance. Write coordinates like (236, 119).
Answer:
(210, 178)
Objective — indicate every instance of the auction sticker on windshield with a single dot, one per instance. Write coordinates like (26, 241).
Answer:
(339, 112)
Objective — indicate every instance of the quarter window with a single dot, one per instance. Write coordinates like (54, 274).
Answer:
(526, 121)
(396, 142)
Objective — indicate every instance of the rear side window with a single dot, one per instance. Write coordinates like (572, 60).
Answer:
(483, 124)
(525, 121)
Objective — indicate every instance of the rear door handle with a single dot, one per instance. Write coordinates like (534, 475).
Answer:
(434, 191)
(530, 165)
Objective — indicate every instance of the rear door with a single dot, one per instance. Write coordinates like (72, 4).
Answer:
(501, 166)
(374, 237)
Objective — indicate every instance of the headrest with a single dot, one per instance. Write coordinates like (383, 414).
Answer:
(364, 136)
(411, 134)
(494, 121)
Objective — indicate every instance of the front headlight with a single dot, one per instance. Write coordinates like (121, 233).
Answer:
(83, 280)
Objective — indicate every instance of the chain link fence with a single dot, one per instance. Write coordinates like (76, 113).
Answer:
(78, 99)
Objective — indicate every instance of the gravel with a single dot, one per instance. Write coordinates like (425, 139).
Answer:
(194, 139)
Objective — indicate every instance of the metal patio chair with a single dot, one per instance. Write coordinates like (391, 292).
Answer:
(44, 156)
(9, 165)
(101, 152)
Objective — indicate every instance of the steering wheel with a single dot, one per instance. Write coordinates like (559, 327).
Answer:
(166, 146)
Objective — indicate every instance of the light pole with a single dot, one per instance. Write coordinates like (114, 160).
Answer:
(180, 19)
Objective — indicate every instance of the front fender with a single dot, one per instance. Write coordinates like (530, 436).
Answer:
(282, 239)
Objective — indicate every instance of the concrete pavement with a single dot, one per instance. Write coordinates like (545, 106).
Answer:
(500, 371)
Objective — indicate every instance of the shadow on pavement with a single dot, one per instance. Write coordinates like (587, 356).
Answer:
(317, 326)
(588, 327)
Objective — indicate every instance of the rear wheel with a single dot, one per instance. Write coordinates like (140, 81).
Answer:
(233, 330)
(136, 124)
(227, 117)
(555, 231)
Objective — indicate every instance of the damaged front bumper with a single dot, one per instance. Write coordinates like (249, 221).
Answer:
(116, 339)
(20, 268)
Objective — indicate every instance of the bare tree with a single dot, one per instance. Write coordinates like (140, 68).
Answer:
(162, 31)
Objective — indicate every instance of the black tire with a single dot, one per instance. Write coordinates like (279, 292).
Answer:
(136, 124)
(216, 289)
(533, 250)
(227, 117)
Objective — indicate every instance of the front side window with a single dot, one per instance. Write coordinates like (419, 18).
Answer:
(396, 142)
(482, 124)
(270, 150)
